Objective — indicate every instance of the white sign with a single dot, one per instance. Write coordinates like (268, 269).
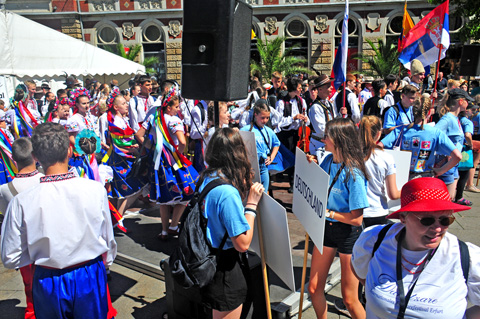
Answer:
(402, 163)
(3, 91)
(276, 239)
(310, 197)
(251, 145)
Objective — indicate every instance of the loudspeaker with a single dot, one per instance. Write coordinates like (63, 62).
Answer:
(470, 61)
(216, 49)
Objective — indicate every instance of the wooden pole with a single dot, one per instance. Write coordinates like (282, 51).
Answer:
(436, 72)
(304, 275)
(264, 266)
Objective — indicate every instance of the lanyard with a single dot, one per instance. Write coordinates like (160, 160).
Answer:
(266, 142)
(335, 178)
(400, 289)
(328, 109)
(406, 114)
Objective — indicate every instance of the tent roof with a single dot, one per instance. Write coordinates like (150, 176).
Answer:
(31, 49)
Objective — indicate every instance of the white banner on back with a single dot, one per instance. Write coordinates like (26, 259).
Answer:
(251, 145)
(276, 239)
(310, 197)
(402, 164)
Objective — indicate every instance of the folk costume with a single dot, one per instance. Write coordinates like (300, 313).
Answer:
(83, 164)
(172, 177)
(121, 140)
(7, 165)
(197, 131)
(70, 274)
(138, 108)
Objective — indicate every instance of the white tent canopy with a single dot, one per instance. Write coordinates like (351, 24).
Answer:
(29, 49)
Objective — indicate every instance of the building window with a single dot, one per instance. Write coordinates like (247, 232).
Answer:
(353, 40)
(107, 38)
(296, 32)
(154, 46)
(455, 24)
(254, 55)
(394, 30)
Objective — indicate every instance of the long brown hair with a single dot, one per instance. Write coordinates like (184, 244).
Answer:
(370, 125)
(347, 142)
(420, 109)
(226, 157)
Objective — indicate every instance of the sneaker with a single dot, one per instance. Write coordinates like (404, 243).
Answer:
(465, 202)
(472, 189)
(340, 306)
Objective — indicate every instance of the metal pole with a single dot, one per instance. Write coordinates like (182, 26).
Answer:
(217, 115)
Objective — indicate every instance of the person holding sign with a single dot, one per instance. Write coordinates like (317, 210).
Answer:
(424, 141)
(265, 139)
(227, 159)
(415, 268)
(347, 197)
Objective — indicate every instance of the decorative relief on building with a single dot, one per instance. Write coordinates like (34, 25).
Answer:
(127, 28)
(174, 28)
(150, 4)
(252, 2)
(373, 21)
(321, 23)
(297, 1)
(271, 25)
(103, 5)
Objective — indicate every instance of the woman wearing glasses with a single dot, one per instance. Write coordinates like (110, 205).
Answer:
(415, 268)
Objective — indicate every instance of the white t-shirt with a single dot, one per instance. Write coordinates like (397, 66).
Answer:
(379, 166)
(440, 291)
(103, 126)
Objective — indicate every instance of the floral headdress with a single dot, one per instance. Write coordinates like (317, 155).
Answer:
(168, 97)
(112, 96)
(76, 93)
(62, 102)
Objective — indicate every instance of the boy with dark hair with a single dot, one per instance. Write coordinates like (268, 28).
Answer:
(67, 235)
(139, 105)
(26, 178)
(392, 83)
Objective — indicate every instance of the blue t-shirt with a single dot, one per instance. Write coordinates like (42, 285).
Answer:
(423, 144)
(467, 125)
(225, 212)
(476, 120)
(345, 196)
(392, 118)
(450, 125)
(262, 148)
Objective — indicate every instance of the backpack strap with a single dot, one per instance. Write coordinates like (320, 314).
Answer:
(12, 189)
(464, 259)
(381, 236)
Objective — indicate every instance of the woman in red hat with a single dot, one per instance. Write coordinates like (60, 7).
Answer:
(415, 268)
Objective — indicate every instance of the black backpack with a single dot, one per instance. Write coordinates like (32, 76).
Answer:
(192, 262)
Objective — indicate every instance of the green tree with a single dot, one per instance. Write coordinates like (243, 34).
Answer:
(148, 62)
(467, 9)
(382, 62)
(273, 59)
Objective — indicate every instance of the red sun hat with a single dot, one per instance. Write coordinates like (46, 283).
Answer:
(426, 194)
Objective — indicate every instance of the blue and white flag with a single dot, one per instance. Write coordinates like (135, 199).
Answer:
(340, 64)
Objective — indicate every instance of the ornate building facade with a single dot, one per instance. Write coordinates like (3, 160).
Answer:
(313, 26)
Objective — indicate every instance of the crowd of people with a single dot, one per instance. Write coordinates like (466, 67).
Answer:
(104, 148)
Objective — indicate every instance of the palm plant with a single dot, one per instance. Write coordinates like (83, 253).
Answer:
(383, 62)
(133, 53)
(273, 59)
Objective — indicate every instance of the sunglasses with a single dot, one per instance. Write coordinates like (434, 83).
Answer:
(429, 221)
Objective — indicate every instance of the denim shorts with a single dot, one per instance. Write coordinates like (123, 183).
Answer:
(341, 236)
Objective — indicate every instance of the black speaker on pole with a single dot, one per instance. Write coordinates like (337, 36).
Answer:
(470, 61)
(216, 49)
